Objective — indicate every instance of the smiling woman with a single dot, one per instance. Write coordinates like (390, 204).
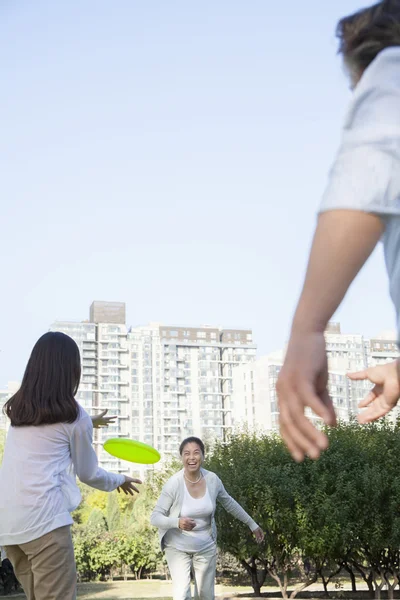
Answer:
(184, 515)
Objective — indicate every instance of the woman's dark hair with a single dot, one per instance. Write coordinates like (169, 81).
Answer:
(192, 440)
(363, 35)
(49, 385)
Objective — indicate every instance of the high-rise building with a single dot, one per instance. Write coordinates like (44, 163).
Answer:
(108, 312)
(105, 372)
(181, 381)
(255, 398)
(164, 383)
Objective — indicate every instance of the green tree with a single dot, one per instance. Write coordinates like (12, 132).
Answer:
(259, 473)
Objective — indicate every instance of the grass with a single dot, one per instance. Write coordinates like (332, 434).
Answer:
(140, 590)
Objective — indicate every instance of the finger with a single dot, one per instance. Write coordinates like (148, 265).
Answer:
(307, 437)
(303, 434)
(377, 410)
(137, 481)
(327, 400)
(358, 375)
(320, 405)
(370, 397)
(132, 487)
(285, 421)
(296, 453)
(118, 490)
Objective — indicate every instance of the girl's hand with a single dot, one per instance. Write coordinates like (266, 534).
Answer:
(384, 395)
(259, 535)
(101, 420)
(128, 487)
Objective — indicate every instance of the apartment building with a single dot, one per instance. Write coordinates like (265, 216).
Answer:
(181, 381)
(255, 398)
(164, 383)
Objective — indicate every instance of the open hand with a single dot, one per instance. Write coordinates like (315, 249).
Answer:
(384, 395)
(128, 487)
(302, 384)
(101, 420)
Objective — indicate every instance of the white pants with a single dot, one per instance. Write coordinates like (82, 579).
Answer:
(203, 565)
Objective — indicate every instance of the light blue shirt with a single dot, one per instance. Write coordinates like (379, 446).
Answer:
(366, 172)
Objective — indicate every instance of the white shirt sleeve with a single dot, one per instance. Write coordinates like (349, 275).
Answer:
(366, 173)
(85, 461)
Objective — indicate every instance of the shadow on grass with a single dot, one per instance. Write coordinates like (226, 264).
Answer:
(333, 595)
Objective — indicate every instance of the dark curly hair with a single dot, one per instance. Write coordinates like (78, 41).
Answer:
(363, 35)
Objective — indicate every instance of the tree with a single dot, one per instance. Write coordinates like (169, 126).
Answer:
(259, 473)
(340, 512)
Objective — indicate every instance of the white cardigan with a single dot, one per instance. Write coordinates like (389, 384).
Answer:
(167, 510)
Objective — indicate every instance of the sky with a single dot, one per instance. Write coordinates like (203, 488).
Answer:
(170, 155)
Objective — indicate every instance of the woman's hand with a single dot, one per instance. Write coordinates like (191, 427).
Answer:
(259, 535)
(384, 395)
(128, 487)
(187, 524)
(101, 420)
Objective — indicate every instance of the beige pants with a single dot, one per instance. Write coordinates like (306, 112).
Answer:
(46, 567)
(202, 564)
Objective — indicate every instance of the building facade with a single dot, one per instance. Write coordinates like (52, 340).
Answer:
(181, 382)
(255, 398)
(163, 383)
(105, 372)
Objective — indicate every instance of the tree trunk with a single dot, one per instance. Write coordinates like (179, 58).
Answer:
(256, 581)
(325, 584)
(350, 571)
(255, 585)
(369, 579)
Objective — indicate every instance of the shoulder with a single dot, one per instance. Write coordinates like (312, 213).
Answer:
(83, 422)
(172, 484)
(212, 477)
(375, 101)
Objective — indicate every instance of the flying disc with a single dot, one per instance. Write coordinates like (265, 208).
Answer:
(132, 451)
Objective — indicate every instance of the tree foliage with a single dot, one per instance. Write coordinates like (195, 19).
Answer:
(112, 532)
(338, 513)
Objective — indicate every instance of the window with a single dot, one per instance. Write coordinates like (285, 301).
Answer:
(201, 335)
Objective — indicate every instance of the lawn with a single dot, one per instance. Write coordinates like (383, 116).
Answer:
(140, 590)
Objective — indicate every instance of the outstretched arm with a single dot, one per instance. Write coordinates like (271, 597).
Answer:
(234, 508)
(343, 241)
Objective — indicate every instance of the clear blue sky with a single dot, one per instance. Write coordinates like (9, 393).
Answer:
(169, 154)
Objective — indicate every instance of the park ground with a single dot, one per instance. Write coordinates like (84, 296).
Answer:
(162, 590)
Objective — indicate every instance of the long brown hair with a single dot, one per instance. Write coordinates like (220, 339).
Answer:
(364, 34)
(49, 385)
